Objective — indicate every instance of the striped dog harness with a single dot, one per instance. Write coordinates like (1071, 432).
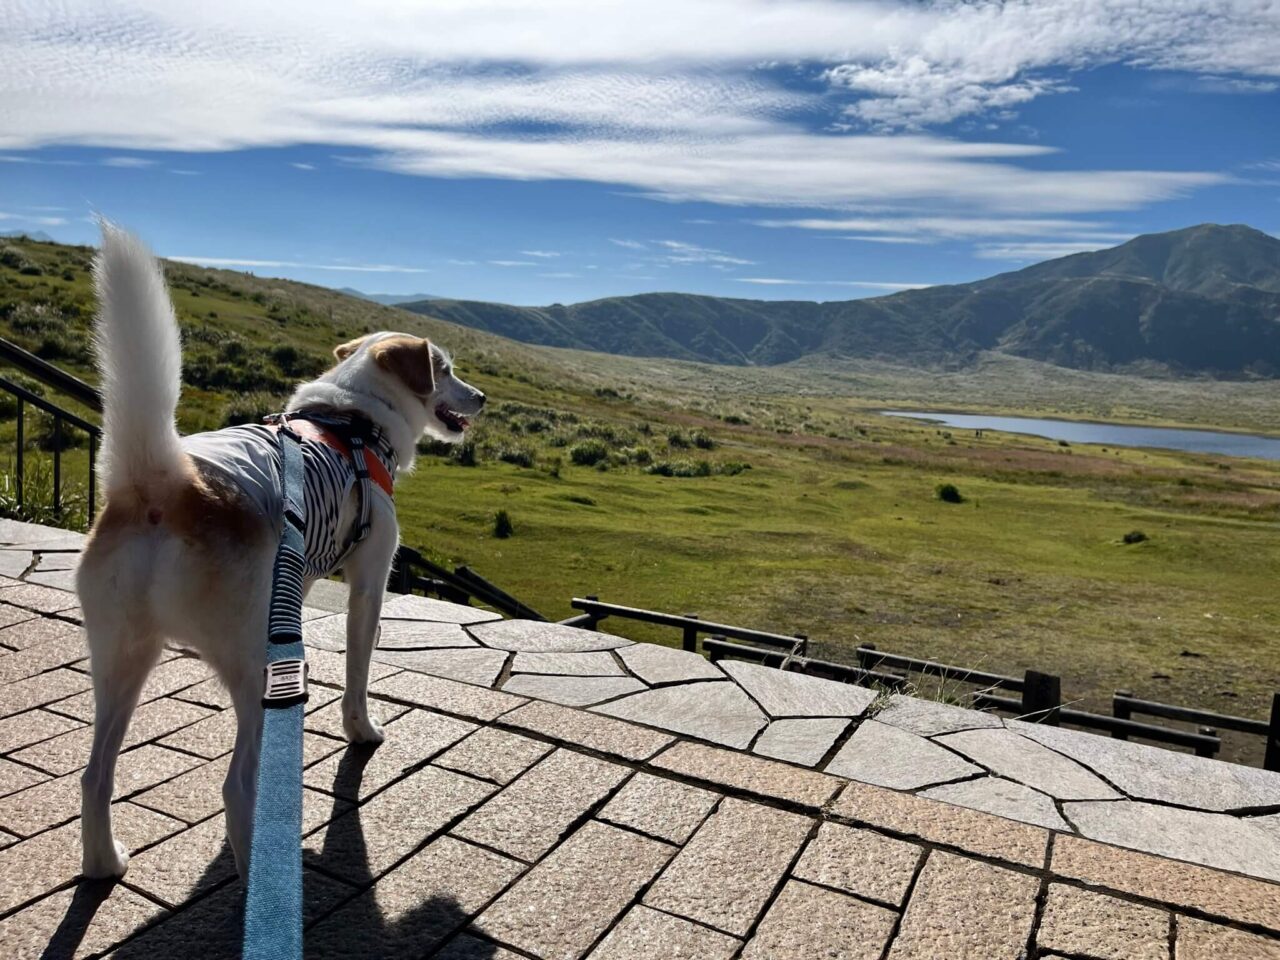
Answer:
(340, 452)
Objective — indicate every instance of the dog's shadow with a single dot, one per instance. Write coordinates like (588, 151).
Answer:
(212, 927)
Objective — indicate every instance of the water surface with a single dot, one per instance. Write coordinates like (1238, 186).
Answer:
(1110, 434)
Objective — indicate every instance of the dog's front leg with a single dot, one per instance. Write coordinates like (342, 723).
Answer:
(366, 576)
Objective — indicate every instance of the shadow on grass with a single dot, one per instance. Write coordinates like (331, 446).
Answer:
(342, 917)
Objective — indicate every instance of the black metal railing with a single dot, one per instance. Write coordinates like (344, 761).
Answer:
(1034, 696)
(411, 572)
(68, 385)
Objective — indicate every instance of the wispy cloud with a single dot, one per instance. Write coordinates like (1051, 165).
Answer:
(302, 166)
(297, 264)
(867, 284)
(680, 252)
(681, 103)
(1045, 250)
(128, 163)
(543, 254)
(40, 220)
(511, 263)
(561, 276)
(629, 244)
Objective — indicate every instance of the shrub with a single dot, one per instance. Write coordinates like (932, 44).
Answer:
(466, 453)
(702, 440)
(732, 468)
(502, 527)
(677, 440)
(252, 407)
(519, 456)
(1135, 536)
(736, 420)
(949, 493)
(640, 456)
(588, 453)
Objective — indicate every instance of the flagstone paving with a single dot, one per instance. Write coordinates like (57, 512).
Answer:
(683, 810)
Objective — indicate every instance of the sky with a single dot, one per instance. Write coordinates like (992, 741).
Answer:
(566, 150)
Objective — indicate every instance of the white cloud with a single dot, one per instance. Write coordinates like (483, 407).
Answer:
(1043, 250)
(629, 244)
(681, 252)
(512, 263)
(561, 276)
(128, 163)
(336, 267)
(303, 166)
(542, 254)
(868, 284)
(42, 221)
(668, 97)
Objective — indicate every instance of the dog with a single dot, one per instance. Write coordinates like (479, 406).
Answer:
(183, 553)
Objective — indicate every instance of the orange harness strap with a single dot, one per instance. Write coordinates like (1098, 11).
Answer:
(310, 431)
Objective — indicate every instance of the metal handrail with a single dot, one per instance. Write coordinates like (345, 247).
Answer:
(47, 373)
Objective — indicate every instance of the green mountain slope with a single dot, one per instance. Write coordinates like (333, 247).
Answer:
(1202, 301)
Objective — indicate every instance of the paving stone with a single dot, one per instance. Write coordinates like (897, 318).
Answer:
(61, 579)
(1081, 921)
(808, 921)
(329, 668)
(416, 906)
(52, 539)
(41, 657)
(726, 873)
(216, 735)
(411, 740)
(331, 595)
(655, 664)
(1210, 891)
(719, 712)
(1004, 798)
(785, 694)
(564, 904)
(421, 635)
(14, 563)
(599, 664)
(70, 751)
(39, 598)
(540, 637)
(57, 852)
(943, 823)
(527, 818)
(645, 934)
(169, 677)
(493, 755)
(15, 777)
(588, 730)
(326, 633)
(1198, 940)
(659, 807)
(412, 607)
(23, 729)
(860, 862)
(194, 796)
(13, 532)
(1212, 839)
(571, 691)
(889, 757)
(57, 801)
(766, 778)
(37, 630)
(799, 741)
(9, 614)
(479, 665)
(76, 923)
(42, 689)
(328, 719)
(467, 947)
(1270, 823)
(366, 842)
(184, 865)
(964, 908)
(51, 560)
(1015, 757)
(212, 693)
(437, 693)
(1152, 773)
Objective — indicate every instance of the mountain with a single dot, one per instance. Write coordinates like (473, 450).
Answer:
(1204, 300)
(38, 235)
(388, 299)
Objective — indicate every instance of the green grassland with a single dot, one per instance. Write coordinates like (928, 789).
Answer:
(779, 498)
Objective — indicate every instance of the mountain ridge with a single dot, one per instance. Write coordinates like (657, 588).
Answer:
(1202, 301)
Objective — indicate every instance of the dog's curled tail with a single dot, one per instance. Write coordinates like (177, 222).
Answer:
(140, 361)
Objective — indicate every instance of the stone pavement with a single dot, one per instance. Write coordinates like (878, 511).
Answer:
(556, 793)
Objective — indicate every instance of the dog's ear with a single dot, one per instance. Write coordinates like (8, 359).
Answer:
(409, 358)
(342, 351)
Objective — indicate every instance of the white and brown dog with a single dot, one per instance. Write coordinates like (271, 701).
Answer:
(183, 552)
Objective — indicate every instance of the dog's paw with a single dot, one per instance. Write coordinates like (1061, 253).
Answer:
(105, 864)
(362, 729)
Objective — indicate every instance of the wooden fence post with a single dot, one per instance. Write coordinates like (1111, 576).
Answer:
(1041, 697)
(1272, 759)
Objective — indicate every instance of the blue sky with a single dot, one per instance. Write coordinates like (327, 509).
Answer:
(565, 150)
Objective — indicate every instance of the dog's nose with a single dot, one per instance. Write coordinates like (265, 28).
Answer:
(480, 398)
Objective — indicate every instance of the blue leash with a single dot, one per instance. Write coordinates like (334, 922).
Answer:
(273, 903)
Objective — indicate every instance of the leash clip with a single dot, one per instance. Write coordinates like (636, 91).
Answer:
(285, 682)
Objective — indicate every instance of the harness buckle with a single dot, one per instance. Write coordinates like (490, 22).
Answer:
(285, 682)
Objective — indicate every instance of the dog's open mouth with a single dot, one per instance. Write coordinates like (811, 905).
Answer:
(451, 418)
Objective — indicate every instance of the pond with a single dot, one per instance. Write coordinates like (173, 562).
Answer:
(1110, 434)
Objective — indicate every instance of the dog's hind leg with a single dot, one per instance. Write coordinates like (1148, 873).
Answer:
(366, 575)
(239, 790)
(121, 663)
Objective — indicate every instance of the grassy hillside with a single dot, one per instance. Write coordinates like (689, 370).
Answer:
(779, 498)
(1203, 300)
